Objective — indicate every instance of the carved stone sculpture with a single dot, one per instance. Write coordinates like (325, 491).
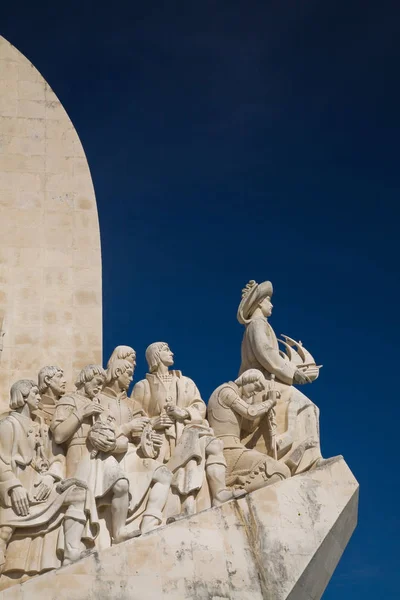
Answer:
(93, 448)
(52, 384)
(189, 447)
(87, 469)
(32, 503)
(230, 406)
(149, 480)
(281, 542)
(297, 434)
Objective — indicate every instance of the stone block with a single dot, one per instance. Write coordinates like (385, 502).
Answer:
(261, 546)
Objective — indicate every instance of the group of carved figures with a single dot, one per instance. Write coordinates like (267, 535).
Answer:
(94, 467)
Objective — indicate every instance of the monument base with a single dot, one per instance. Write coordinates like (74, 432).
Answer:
(280, 542)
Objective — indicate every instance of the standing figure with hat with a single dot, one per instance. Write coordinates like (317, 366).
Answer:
(297, 434)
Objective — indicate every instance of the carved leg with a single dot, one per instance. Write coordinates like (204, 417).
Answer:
(74, 523)
(119, 513)
(303, 429)
(216, 474)
(188, 507)
(220, 493)
(157, 499)
(5, 536)
(73, 529)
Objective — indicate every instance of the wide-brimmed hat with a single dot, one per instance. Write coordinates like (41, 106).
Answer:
(252, 294)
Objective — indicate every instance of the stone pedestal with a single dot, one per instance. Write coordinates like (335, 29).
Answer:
(281, 542)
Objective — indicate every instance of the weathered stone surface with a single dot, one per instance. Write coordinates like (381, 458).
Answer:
(279, 542)
(50, 259)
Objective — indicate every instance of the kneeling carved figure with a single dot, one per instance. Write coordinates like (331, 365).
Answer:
(229, 407)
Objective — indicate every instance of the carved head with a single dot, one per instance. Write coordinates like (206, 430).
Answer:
(123, 353)
(91, 380)
(157, 353)
(52, 378)
(250, 383)
(255, 296)
(120, 371)
(24, 391)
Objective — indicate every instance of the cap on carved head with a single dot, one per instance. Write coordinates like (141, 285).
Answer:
(252, 295)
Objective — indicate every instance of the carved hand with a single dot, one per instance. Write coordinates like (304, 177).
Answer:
(102, 437)
(176, 413)
(19, 501)
(268, 403)
(91, 409)
(157, 439)
(44, 488)
(105, 444)
(300, 377)
(162, 422)
(137, 425)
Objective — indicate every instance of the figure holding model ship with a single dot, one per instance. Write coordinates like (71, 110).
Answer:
(297, 418)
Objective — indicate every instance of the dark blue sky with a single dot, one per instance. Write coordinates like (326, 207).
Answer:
(231, 140)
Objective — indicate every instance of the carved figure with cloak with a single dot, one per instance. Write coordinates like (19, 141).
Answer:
(189, 448)
(33, 500)
(297, 437)
(149, 479)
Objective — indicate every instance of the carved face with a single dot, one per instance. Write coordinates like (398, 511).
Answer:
(33, 399)
(93, 387)
(166, 356)
(124, 379)
(57, 383)
(266, 307)
(251, 389)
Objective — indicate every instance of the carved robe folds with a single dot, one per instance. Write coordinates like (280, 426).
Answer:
(37, 543)
(185, 443)
(99, 472)
(297, 417)
(138, 469)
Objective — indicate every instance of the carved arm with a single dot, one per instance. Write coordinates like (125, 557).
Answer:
(248, 411)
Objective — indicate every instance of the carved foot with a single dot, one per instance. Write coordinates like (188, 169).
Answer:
(180, 516)
(226, 495)
(71, 556)
(149, 523)
(124, 534)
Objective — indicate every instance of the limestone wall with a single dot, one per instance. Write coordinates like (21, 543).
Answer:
(50, 258)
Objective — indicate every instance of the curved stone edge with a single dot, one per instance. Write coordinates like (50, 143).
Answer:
(50, 254)
(280, 542)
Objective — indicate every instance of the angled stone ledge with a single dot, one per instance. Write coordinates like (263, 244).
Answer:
(281, 542)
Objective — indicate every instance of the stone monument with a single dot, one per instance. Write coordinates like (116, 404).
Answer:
(158, 495)
(50, 259)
